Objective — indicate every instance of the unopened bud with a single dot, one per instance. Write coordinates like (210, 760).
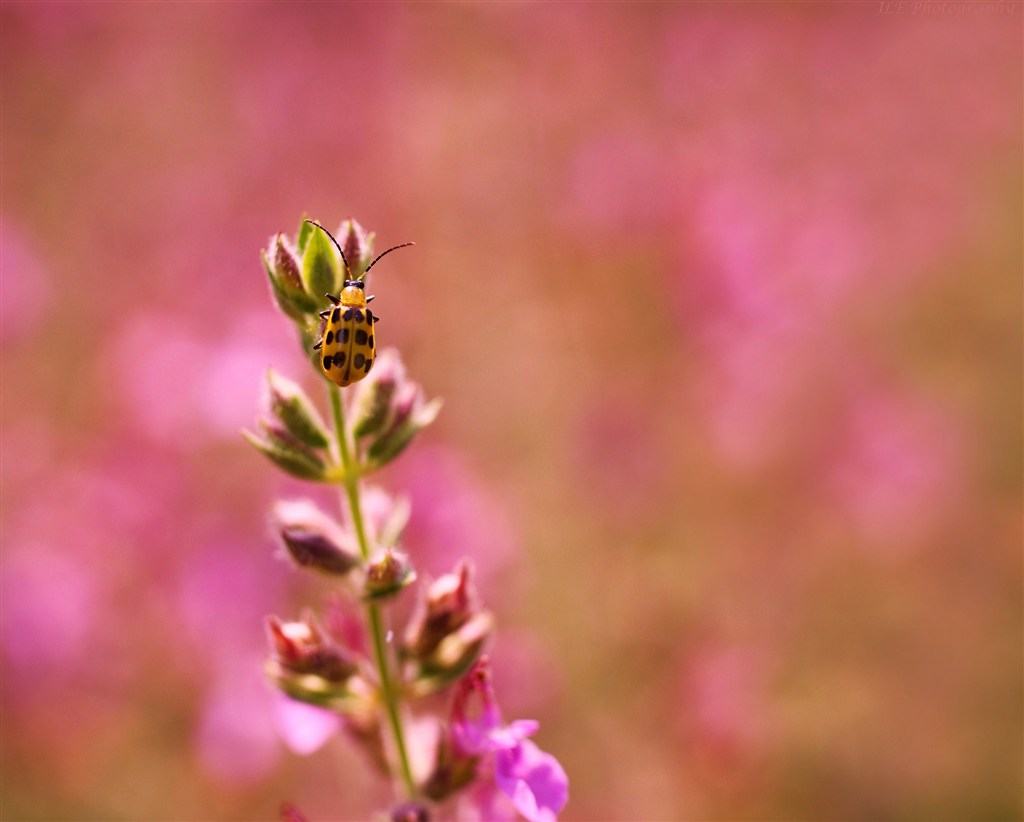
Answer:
(449, 602)
(308, 667)
(321, 266)
(455, 655)
(374, 394)
(387, 572)
(312, 539)
(301, 648)
(283, 271)
(458, 651)
(285, 400)
(293, 641)
(287, 452)
(286, 266)
(410, 414)
(357, 247)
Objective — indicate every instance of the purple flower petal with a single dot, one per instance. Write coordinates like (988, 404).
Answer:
(534, 781)
(512, 734)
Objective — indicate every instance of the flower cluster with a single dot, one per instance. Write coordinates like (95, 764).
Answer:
(467, 763)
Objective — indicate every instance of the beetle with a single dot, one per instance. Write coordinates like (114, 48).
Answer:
(347, 343)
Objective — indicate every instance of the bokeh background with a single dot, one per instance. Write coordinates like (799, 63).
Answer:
(724, 301)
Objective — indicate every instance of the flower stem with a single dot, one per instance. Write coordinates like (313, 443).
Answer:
(387, 689)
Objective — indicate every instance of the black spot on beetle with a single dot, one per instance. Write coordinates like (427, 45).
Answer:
(368, 366)
(369, 317)
(336, 316)
(358, 360)
(327, 363)
(343, 336)
(361, 337)
(369, 342)
(357, 315)
(339, 358)
(330, 338)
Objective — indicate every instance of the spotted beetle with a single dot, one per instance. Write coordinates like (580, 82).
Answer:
(347, 346)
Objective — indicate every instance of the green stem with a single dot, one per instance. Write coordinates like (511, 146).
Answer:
(380, 653)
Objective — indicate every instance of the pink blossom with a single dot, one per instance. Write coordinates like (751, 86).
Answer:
(235, 740)
(52, 604)
(214, 404)
(304, 728)
(533, 780)
(453, 515)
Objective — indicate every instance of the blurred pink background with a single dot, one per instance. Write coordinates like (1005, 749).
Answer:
(724, 301)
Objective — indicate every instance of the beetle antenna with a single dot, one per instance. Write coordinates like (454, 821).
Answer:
(393, 248)
(342, 253)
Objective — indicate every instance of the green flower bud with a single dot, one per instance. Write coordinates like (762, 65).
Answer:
(282, 266)
(410, 414)
(321, 266)
(286, 401)
(372, 404)
(389, 410)
(387, 573)
(287, 452)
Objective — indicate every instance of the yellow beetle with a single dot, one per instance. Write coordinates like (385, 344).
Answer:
(347, 346)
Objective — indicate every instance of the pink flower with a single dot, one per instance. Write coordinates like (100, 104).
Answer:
(454, 515)
(234, 741)
(895, 467)
(533, 780)
(304, 728)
